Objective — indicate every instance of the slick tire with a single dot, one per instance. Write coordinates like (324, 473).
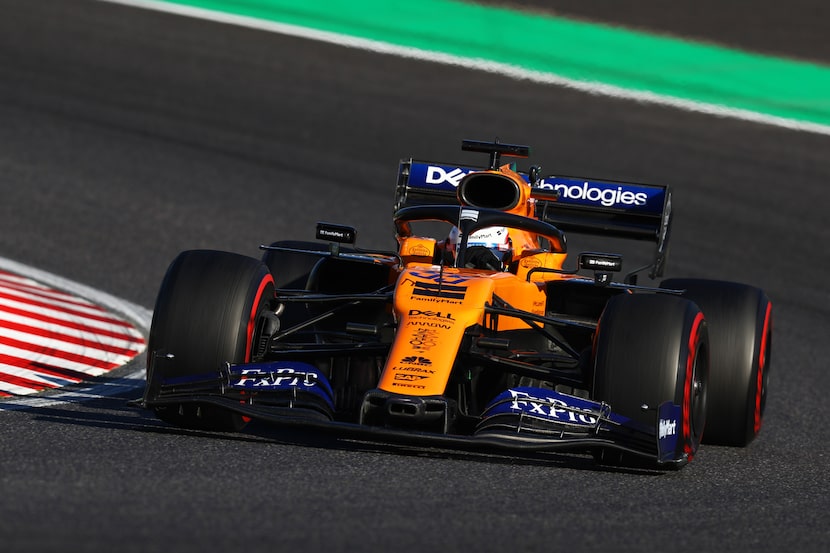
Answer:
(649, 349)
(740, 334)
(206, 314)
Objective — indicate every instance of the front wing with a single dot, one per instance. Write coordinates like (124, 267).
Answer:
(523, 419)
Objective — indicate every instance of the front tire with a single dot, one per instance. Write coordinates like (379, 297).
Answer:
(206, 314)
(649, 349)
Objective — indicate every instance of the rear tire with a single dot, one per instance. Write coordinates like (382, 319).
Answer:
(206, 314)
(652, 348)
(740, 330)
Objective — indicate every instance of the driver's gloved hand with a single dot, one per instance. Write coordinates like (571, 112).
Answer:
(479, 257)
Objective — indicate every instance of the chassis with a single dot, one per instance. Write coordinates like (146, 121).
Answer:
(421, 345)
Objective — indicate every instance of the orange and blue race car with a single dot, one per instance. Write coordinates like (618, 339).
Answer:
(479, 337)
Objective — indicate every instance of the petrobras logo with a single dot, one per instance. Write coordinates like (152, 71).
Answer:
(607, 195)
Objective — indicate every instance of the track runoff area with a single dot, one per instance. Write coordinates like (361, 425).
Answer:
(62, 334)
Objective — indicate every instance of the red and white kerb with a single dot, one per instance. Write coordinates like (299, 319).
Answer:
(49, 338)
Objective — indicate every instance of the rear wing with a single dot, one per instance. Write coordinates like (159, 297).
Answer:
(586, 206)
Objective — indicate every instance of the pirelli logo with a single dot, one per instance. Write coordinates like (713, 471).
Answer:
(434, 290)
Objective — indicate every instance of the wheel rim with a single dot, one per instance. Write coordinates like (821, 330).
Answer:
(763, 373)
(695, 389)
(698, 395)
(254, 317)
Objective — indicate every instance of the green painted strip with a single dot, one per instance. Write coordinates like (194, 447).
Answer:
(574, 50)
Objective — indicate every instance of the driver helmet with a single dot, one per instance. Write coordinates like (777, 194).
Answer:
(495, 239)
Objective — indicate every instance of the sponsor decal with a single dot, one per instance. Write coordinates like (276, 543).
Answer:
(436, 175)
(416, 360)
(489, 234)
(281, 377)
(439, 277)
(431, 314)
(420, 370)
(604, 194)
(292, 378)
(598, 262)
(436, 300)
(609, 262)
(423, 339)
(410, 377)
(575, 191)
(419, 250)
(491, 237)
(402, 385)
(333, 234)
(531, 262)
(667, 428)
(431, 290)
(429, 324)
(553, 408)
(337, 233)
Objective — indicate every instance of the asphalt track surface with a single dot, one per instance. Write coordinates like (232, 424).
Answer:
(128, 136)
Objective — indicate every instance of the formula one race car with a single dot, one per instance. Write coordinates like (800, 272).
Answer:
(479, 338)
